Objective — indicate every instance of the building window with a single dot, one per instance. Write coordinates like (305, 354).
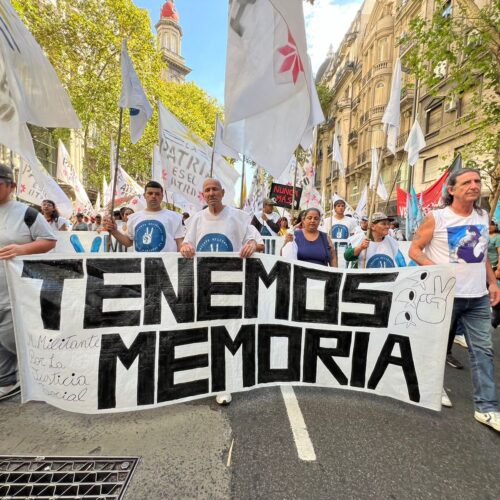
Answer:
(431, 169)
(447, 9)
(383, 54)
(378, 99)
(175, 44)
(434, 119)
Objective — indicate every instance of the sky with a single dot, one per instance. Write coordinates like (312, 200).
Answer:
(204, 27)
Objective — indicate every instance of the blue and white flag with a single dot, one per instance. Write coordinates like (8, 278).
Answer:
(134, 97)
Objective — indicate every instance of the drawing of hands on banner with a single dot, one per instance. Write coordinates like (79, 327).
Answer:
(431, 307)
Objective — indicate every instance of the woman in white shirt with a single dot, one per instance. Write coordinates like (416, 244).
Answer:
(51, 214)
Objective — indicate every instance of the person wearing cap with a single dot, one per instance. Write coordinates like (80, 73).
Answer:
(80, 224)
(378, 251)
(266, 222)
(363, 225)
(23, 231)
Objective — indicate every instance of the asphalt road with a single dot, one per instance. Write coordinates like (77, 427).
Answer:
(366, 446)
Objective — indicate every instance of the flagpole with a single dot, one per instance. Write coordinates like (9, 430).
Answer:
(394, 185)
(213, 147)
(117, 160)
(242, 181)
(294, 181)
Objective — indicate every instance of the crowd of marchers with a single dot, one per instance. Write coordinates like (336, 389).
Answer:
(458, 233)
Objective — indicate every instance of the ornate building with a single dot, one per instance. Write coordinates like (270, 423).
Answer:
(169, 41)
(359, 78)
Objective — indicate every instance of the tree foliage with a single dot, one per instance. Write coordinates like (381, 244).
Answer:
(467, 39)
(82, 39)
(325, 96)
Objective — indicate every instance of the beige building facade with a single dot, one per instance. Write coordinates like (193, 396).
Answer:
(359, 77)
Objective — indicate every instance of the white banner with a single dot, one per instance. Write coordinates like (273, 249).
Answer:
(67, 173)
(186, 161)
(132, 331)
(35, 185)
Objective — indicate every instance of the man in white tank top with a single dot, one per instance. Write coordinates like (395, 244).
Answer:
(458, 234)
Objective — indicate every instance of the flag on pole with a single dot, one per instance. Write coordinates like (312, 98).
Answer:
(133, 97)
(30, 91)
(254, 202)
(271, 103)
(35, 185)
(337, 155)
(67, 174)
(127, 190)
(97, 205)
(374, 170)
(415, 143)
(186, 160)
(362, 203)
(105, 191)
(381, 189)
(219, 146)
(392, 115)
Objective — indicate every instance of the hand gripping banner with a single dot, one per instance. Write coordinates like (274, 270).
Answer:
(107, 333)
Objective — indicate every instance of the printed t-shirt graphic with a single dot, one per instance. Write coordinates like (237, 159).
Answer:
(214, 242)
(467, 243)
(342, 228)
(155, 231)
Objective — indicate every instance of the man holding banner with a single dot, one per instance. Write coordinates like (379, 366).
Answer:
(219, 228)
(23, 231)
(458, 234)
(151, 230)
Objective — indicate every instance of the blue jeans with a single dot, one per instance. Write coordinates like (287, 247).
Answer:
(473, 315)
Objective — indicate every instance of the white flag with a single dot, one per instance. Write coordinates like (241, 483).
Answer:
(127, 191)
(271, 103)
(255, 198)
(374, 170)
(337, 155)
(392, 115)
(30, 91)
(105, 191)
(362, 203)
(97, 205)
(133, 97)
(186, 159)
(67, 174)
(35, 185)
(415, 143)
(381, 189)
(219, 146)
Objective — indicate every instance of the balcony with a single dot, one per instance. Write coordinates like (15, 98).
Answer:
(355, 102)
(382, 66)
(405, 47)
(352, 137)
(366, 77)
(407, 95)
(377, 110)
(344, 103)
(351, 168)
(364, 117)
(362, 158)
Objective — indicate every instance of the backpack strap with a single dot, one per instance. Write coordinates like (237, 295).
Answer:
(30, 216)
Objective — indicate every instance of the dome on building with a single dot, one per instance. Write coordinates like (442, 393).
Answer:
(168, 11)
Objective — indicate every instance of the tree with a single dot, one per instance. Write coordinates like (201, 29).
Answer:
(468, 42)
(82, 39)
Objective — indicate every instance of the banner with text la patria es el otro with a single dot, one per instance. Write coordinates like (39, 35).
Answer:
(107, 333)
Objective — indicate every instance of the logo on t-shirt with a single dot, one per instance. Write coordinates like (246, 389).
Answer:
(340, 232)
(214, 242)
(380, 260)
(467, 243)
(265, 232)
(150, 236)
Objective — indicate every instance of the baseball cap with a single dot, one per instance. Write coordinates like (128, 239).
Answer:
(269, 201)
(380, 216)
(6, 173)
(364, 218)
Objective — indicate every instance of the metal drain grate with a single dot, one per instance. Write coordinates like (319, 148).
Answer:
(51, 478)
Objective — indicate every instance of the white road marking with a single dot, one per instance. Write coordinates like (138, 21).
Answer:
(230, 454)
(303, 443)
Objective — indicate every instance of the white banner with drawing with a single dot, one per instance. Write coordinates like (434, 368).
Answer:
(108, 333)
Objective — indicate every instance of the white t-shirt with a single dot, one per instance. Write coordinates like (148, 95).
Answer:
(341, 229)
(13, 230)
(381, 254)
(266, 230)
(461, 240)
(155, 231)
(227, 231)
(61, 223)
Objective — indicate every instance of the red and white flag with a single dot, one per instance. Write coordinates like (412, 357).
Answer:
(271, 103)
